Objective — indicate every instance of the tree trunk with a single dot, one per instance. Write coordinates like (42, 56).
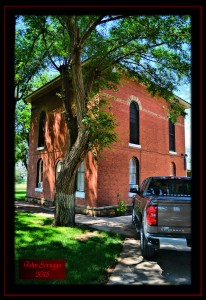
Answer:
(77, 132)
(65, 198)
(65, 184)
(64, 210)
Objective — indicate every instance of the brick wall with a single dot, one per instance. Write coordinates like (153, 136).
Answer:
(111, 175)
(55, 141)
(153, 156)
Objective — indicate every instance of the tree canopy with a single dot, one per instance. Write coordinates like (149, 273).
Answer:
(155, 48)
(22, 126)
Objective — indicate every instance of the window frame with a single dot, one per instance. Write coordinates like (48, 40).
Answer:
(173, 168)
(134, 126)
(80, 181)
(40, 176)
(41, 133)
(134, 173)
(172, 144)
(58, 165)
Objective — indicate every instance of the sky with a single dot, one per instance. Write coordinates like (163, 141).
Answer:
(185, 94)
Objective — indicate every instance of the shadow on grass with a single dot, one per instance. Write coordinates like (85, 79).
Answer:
(87, 260)
(20, 195)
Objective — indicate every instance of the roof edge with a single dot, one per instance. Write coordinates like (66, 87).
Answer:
(43, 89)
(56, 82)
(183, 102)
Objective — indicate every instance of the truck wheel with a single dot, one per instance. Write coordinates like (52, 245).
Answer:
(135, 223)
(146, 250)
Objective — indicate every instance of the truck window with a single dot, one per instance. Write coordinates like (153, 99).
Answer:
(180, 187)
(177, 187)
(158, 187)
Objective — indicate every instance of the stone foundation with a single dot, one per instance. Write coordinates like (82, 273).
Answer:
(40, 201)
(103, 211)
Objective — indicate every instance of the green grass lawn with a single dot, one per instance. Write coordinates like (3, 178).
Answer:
(20, 191)
(88, 253)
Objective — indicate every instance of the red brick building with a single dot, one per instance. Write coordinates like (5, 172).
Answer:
(150, 145)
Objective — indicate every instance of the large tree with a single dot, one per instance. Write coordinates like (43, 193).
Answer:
(31, 61)
(91, 53)
(22, 126)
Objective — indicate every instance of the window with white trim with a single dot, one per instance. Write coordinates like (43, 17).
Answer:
(80, 178)
(58, 168)
(39, 181)
(171, 136)
(134, 123)
(41, 137)
(172, 169)
(133, 173)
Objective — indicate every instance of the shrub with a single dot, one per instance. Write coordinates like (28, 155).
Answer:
(18, 176)
(121, 206)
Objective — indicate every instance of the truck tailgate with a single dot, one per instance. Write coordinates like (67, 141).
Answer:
(174, 216)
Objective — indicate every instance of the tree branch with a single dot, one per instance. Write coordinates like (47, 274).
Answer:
(47, 48)
(91, 28)
(99, 21)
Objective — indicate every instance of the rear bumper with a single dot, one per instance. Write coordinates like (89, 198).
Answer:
(169, 243)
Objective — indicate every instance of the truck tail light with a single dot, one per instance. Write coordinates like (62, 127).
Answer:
(152, 215)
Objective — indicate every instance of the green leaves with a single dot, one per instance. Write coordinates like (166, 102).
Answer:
(175, 110)
(22, 127)
(100, 124)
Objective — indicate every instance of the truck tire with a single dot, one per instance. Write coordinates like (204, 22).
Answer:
(146, 250)
(135, 223)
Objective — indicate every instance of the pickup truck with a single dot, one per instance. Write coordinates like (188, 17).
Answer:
(161, 214)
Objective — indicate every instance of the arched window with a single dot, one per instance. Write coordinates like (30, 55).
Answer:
(58, 168)
(134, 123)
(39, 181)
(172, 169)
(41, 137)
(80, 178)
(171, 136)
(133, 173)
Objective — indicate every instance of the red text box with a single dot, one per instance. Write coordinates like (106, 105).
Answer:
(42, 269)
